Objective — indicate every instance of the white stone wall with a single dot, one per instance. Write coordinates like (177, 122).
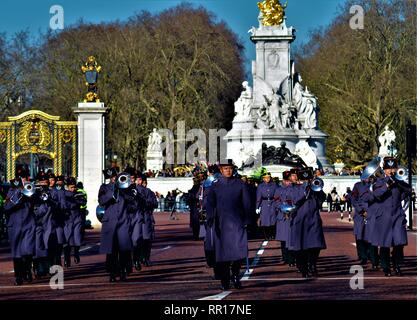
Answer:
(163, 185)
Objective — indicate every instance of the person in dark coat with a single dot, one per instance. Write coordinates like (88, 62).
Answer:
(192, 202)
(57, 192)
(209, 250)
(137, 220)
(360, 205)
(390, 220)
(348, 202)
(265, 205)
(73, 221)
(306, 231)
(283, 196)
(19, 210)
(119, 198)
(228, 211)
(148, 225)
(46, 238)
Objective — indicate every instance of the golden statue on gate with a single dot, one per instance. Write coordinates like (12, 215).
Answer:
(91, 70)
(272, 12)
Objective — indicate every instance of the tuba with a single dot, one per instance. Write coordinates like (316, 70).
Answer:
(123, 181)
(100, 213)
(29, 189)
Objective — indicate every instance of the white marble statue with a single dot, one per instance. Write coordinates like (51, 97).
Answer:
(154, 141)
(244, 103)
(387, 139)
(303, 149)
(306, 105)
(246, 154)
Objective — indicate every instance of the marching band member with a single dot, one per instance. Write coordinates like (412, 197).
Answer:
(118, 197)
(282, 196)
(265, 205)
(228, 212)
(359, 192)
(46, 239)
(57, 193)
(21, 227)
(390, 221)
(148, 225)
(306, 231)
(73, 221)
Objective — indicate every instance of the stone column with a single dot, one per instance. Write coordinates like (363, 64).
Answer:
(91, 152)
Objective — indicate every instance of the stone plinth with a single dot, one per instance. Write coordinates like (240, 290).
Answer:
(91, 152)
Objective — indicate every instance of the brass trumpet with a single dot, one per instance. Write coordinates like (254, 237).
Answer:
(123, 180)
(29, 189)
(317, 184)
(401, 174)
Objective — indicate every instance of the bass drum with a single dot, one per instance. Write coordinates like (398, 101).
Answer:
(100, 213)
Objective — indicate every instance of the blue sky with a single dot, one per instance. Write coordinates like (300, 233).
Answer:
(240, 15)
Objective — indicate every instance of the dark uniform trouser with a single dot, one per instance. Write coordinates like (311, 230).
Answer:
(287, 255)
(269, 232)
(397, 256)
(211, 262)
(373, 254)
(22, 267)
(118, 262)
(312, 257)
(362, 248)
(223, 269)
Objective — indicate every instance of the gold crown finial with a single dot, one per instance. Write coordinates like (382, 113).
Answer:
(91, 70)
(272, 12)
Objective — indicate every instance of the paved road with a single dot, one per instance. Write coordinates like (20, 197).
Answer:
(178, 271)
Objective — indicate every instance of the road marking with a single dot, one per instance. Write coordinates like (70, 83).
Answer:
(163, 249)
(246, 275)
(219, 296)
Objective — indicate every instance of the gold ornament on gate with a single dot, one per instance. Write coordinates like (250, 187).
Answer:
(2, 136)
(33, 135)
(272, 12)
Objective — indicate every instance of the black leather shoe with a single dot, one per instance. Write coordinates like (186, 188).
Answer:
(112, 278)
(398, 271)
(138, 266)
(18, 281)
(387, 272)
(67, 263)
(76, 258)
(236, 282)
(146, 262)
(29, 277)
(123, 276)
(225, 287)
(375, 267)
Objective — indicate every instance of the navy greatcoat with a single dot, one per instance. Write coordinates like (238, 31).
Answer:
(20, 224)
(265, 201)
(119, 206)
(228, 210)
